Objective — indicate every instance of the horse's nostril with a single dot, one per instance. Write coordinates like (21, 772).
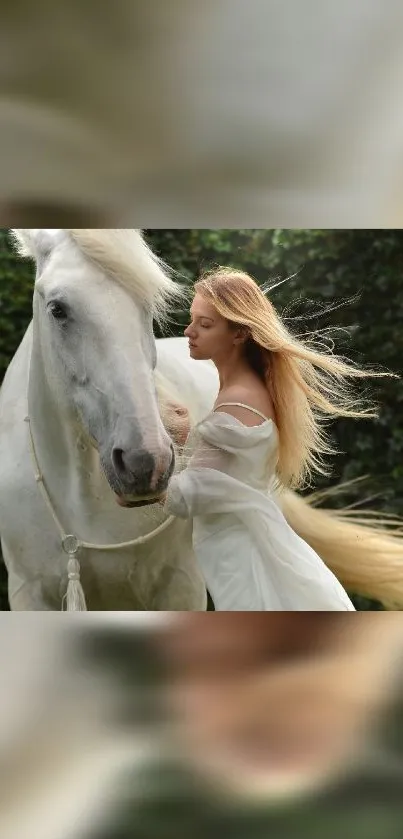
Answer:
(118, 460)
(138, 471)
(133, 466)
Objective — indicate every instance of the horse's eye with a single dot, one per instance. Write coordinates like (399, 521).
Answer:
(58, 311)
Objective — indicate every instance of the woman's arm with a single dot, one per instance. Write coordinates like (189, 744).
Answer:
(187, 490)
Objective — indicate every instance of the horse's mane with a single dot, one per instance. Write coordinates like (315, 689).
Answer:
(124, 255)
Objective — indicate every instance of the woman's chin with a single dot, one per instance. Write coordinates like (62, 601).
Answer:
(196, 353)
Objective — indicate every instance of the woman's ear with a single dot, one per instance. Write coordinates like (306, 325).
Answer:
(242, 333)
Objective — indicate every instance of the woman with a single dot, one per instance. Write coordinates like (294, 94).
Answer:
(264, 434)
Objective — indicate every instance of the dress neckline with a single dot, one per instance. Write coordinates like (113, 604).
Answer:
(266, 420)
(250, 428)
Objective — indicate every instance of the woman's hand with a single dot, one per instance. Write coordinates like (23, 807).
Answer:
(177, 423)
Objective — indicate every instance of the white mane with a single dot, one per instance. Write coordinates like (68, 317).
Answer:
(126, 258)
(122, 254)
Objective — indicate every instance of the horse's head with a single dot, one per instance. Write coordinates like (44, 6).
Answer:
(96, 294)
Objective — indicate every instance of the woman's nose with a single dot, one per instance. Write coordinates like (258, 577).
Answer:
(188, 330)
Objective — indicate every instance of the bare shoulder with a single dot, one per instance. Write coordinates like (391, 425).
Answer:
(254, 396)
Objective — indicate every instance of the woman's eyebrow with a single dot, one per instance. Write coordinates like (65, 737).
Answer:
(201, 317)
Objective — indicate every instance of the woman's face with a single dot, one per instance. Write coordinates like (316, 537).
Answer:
(210, 335)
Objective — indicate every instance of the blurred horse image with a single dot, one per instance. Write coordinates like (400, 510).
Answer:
(220, 114)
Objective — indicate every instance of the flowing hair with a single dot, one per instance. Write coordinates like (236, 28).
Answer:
(308, 384)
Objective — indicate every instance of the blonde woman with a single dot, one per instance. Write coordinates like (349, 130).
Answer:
(265, 434)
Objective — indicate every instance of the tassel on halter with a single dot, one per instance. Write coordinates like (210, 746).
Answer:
(74, 599)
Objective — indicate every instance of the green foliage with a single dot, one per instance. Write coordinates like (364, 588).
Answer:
(16, 284)
(324, 266)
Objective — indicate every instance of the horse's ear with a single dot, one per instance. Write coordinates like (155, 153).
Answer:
(35, 244)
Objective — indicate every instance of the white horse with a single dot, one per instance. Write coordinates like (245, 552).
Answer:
(85, 376)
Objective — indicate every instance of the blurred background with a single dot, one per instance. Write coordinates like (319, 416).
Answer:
(201, 114)
(247, 725)
(355, 273)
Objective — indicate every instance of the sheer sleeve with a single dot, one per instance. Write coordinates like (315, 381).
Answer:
(188, 489)
(220, 457)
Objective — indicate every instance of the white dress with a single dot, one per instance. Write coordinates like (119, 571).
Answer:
(250, 557)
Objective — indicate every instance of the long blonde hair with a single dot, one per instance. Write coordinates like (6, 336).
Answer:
(307, 384)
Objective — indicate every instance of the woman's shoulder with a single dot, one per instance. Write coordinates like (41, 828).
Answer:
(246, 399)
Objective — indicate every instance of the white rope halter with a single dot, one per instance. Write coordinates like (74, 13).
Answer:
(71, 544)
